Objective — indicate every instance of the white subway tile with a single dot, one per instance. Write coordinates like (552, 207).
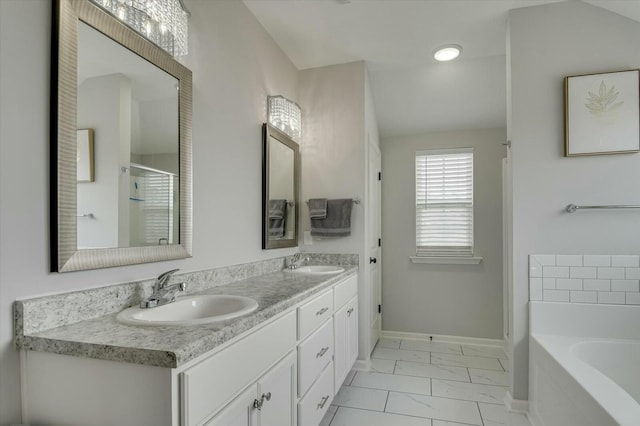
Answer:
(549, 283)
(583, 272)
(568, 284)
(555, 271)
(631, 261)
(596, 285)
(610, 273)
(568, 260)
(545, 259)
(596, 260)
(535, 268)
(611, 298)
(535, 288)
(633, 298)
(584, 297)
(557, 295)
(625, 285)
(633, 273)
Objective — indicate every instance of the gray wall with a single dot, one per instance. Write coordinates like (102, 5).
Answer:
(235, 65)
(457, 300)
(548, 43)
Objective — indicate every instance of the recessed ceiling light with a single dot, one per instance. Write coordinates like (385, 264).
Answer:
(447, 53)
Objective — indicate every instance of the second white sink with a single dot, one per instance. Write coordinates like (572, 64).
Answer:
(317, 269)
(190, 310)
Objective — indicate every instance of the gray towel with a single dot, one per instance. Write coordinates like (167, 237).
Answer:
(338, 220)
(318, 208)
(277, 218)
(277, 209)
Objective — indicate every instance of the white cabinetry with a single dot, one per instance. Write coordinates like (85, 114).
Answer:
(346, 340)
(269, 402)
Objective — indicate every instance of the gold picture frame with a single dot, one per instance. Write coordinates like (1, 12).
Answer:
(602, 113)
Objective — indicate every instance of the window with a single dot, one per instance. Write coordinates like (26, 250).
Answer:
(444, 203)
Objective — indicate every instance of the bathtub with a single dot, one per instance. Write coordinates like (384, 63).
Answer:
(584, 364)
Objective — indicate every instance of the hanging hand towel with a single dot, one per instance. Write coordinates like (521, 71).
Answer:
(338, 220)
(277, 218)
(318, 208)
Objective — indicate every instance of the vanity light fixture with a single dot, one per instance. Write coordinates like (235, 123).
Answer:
(285, 115)
(448, 52)
(163, 22)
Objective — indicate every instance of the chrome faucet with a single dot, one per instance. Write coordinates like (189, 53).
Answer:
(295, 261)
(162, 293)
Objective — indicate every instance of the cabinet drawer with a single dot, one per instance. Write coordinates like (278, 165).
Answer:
(314, 405)
(313, 355)
(314, 313)
(344, 291)
(208, 385)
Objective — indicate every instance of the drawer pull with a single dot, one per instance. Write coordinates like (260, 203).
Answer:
(349, 312)
(322, 352)
(258, 403)
(323, 401)
(322, 311)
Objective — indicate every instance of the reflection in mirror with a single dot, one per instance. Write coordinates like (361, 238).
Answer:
(280, 189)
(132, 107)
(121, 145)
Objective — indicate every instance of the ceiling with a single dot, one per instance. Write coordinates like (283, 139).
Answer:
(412, 92)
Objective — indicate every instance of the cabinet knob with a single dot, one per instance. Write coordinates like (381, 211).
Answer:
(373, 260)
(349, 312)
(257, 403)
(267, 396)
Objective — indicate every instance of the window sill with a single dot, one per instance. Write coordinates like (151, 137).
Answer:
(446, 260)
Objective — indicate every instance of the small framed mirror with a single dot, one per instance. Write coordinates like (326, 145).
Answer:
(280, 187)
(121, 182)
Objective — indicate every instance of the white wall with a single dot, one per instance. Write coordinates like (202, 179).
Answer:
(235, 66)
(458, 300)
(576, 38)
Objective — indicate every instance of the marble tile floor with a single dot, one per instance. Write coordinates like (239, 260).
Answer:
(423, 383)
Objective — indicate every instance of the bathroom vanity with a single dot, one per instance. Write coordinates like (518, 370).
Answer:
(280, 365)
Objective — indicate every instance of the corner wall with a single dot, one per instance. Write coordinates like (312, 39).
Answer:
(235, 65)
(576, 38)
(455, 300)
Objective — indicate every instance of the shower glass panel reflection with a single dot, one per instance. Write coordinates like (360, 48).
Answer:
(152, 196)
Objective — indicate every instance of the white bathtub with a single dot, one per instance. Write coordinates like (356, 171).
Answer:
(584, 364)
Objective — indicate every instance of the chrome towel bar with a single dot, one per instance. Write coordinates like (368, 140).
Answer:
(571, 208)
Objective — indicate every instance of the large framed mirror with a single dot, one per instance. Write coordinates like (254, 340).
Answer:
(280, 187)
(121, 182)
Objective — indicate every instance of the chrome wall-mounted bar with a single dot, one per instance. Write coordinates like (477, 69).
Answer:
(571, 208)
(355, 201)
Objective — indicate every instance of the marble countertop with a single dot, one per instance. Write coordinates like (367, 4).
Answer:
(173, 346)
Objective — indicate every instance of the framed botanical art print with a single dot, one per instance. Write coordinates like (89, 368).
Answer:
(602, 113)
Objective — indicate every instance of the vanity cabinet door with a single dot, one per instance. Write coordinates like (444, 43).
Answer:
(346, 341)
(277, 393)
(239, 412)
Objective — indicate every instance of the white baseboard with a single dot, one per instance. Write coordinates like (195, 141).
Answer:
(444, 338)
(362, 365)
(516, 405)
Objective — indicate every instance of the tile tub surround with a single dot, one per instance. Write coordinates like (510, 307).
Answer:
(97, 334)
(603, 279)
(418, 395)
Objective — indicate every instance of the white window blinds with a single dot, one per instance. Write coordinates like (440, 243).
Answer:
(444, 203)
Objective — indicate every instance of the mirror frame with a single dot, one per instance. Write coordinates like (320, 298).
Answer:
(65, 255)
(269, 131)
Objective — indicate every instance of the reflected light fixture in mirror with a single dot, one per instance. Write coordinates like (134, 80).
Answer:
(286, 115)
(162, 22)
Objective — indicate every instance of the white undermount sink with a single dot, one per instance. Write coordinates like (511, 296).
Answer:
(190, 310)
(316, 269)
